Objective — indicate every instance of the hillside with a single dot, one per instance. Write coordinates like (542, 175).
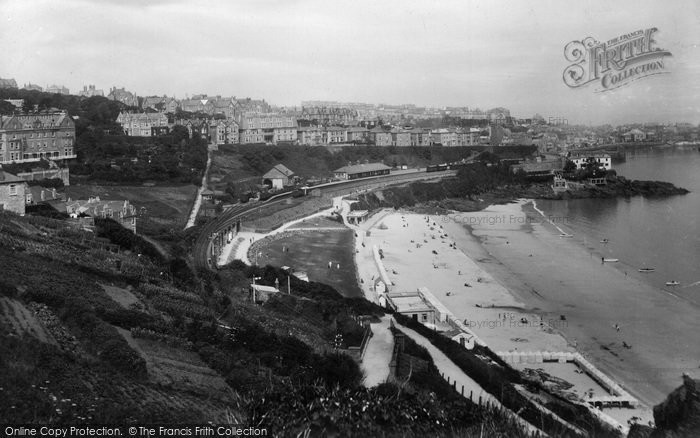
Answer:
(90, 334)
(238, 168)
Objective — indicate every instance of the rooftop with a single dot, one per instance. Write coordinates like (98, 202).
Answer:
(409, 302)
(359, 168)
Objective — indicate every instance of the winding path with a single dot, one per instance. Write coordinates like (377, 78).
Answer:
(380, 347)
(452, 373)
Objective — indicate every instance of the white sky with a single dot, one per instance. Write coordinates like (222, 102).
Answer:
(448, 53)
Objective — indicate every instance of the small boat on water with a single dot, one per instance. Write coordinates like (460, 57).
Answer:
(611, 260)
(646, 270)
(604, 241)
(672, 283)
(566, 235)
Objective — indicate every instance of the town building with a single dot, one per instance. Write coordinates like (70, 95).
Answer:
(32, 87)
(335, 135)
(411, 304)
(202, 105)
(361, 171)
(161, 104)
(143, 124)
(8, 83)
(444, 137)
(380, 137)
(633, 135)
(357, 134)
(57, 89)
(278, 177)
(225, 106)
(327, 116)
(310, 136)
(603, 161)
(400, 137)
(420, 137)
(91, 91)
(122, 95)
(270, 128)
(223, 132)
(249, 105)
(32, 137)
(13, 193)
(198, 126)
(122, 212)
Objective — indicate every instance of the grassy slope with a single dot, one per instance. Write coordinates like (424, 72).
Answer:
(127, 350)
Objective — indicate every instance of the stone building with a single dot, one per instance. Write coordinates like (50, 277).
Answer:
(13, 193)
(31, 137)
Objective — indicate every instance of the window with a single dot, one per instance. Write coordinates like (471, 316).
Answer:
(13, 189)
(425, 317)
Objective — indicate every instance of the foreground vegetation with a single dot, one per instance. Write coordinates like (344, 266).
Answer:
(132, 337)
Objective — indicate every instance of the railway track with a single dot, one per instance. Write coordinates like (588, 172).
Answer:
(216, 230)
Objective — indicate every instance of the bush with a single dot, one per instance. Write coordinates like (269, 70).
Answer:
(119, 235)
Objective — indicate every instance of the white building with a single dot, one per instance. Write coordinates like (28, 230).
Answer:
(604, 161)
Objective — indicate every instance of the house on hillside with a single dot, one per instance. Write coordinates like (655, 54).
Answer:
(278, 177)
(32, 137)
(260, 294)
(120, 211)
(13, 193)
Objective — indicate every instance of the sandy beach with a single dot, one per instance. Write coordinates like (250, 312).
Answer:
(503, 274)
(522, 287)
(554, 275)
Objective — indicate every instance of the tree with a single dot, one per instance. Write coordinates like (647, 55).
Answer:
(6, 108)
(570, 166)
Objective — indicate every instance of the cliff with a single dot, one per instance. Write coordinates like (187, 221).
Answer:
(676, 417)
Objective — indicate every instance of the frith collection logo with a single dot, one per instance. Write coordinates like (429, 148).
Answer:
(614, 63)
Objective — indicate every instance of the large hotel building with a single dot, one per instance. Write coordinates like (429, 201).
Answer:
(31, 137)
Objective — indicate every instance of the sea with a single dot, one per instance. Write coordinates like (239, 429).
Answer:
(642, 232)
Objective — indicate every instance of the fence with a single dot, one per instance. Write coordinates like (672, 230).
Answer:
(359, 352)
(62, 174)
(618, 397)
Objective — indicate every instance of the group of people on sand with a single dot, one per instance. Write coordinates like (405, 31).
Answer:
(617, 327)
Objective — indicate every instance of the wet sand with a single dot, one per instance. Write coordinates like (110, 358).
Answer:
(555, 276)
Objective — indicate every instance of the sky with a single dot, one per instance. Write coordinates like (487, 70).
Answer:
(479, 54)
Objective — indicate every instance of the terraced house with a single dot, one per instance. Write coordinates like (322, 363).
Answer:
(223, 132)
(268, 128)
(400, 137)
(143, 124)
(31, 137)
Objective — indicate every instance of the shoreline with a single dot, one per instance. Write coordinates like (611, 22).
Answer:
(563, 277)
(436, 252)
